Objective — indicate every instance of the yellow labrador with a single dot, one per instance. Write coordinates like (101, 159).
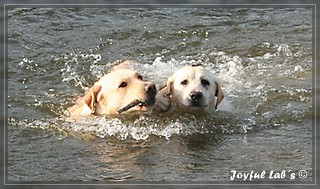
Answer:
(122, 91)
(193, 87)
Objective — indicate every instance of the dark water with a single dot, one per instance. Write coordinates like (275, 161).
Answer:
(262, 56)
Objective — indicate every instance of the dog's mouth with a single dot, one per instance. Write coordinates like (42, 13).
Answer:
(196, 104)
(138, 105)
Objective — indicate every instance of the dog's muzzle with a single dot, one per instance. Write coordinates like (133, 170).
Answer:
(196, 98)
(150, 100)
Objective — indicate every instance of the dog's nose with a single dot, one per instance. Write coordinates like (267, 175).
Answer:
(196, 95)
(151, 89)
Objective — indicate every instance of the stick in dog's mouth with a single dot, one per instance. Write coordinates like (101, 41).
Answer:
(131, 105)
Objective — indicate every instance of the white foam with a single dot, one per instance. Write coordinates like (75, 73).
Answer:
(246, 89)
(138, 129)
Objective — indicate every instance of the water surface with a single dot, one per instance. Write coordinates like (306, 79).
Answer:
(262, 56)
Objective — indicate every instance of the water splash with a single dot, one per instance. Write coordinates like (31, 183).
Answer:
(77, 65)
(139, 129)
(244, 80)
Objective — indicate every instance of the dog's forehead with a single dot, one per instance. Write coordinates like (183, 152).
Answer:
(123, 73)
(114, 77)
(191, 72)
(120, 74)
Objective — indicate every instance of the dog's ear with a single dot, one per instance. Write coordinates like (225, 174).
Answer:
(219, 94)
(167, 88)
(169, 85)
(90, 98)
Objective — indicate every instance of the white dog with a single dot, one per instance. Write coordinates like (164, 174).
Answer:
(193, 88)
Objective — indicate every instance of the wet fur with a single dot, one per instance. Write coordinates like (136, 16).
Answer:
(107, 97)
(188, 80)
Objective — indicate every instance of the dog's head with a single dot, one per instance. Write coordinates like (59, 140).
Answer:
(194, 86)
(121, 91)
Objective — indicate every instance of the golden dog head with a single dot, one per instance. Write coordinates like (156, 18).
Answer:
(120, 91)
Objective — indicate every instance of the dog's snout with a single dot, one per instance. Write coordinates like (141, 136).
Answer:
(196, 95)
(151, 89)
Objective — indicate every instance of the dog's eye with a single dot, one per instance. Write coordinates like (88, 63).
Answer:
(123, 84)
(205, 82)
(140, 77)
(184, 82)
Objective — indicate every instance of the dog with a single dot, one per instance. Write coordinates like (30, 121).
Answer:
(121, 91)
(192, 88)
